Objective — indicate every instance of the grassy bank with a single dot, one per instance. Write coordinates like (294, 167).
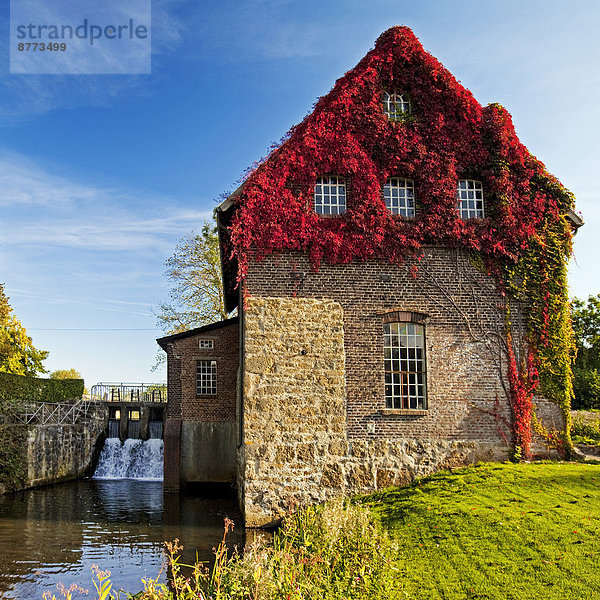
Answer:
(507, 531)
(495, 531)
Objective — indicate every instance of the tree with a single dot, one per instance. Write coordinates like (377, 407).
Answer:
(18, 355)
(194, 272)
(65, 374)
(586, 370)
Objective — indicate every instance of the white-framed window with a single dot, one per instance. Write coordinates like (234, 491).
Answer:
(206, 377)
(330, 195)
(206, 344)
(469, 195)
(405, 369)
(396, 105)
(399, 196)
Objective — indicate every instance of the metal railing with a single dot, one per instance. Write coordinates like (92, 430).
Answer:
(53, 413)
(129, 392)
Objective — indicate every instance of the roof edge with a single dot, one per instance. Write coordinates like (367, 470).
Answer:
(163, 341)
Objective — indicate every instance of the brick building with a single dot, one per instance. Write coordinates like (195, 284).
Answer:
(374, 343)
(200, 430)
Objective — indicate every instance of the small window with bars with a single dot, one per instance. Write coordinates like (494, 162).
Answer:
(469, 195)
(399, 196)
(206, 377)
(396, 105)
(330, 195)
(206, 344)
(404, 359)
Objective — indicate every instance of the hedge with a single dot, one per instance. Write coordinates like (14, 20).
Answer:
(15, 388)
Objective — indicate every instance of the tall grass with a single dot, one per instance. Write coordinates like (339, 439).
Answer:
(326, 552)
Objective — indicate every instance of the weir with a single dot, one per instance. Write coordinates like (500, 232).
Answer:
(135, 410)
(132, 459)
(133, 448)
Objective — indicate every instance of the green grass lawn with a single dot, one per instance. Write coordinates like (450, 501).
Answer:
(522, 531)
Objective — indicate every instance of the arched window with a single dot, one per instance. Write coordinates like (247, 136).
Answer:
(399, 196)
(330, 195)
(396, 105)
(469, 195)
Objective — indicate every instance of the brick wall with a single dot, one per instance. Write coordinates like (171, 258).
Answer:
(315, 418)
(184, 402)
(467, 396)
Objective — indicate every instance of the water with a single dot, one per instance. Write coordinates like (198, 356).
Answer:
(55, 534)
(132, 459)
(133, 429)
(117, 520)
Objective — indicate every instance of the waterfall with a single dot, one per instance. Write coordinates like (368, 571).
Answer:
(134, 459)
(133, 429)
(113, 428)
(155, 428)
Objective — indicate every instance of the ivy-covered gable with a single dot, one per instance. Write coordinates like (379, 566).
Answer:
(445, 136)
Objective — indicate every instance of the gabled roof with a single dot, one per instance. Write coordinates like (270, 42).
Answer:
(168, 339)
(447, 136)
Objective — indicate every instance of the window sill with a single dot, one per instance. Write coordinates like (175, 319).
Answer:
(411, 412)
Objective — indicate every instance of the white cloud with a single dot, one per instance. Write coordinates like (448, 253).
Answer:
(22, 182)
(43, 209)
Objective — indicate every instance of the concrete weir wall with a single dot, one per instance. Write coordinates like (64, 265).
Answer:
(207, 451)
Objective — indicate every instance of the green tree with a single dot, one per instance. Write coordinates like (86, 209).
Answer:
(586, 370)
(196, 295)
(65, 374)
(18, 355)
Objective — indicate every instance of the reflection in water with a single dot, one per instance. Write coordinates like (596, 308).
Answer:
(56, 533)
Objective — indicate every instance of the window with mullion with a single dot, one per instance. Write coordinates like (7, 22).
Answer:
(396, 105)
(404, 363)
(399, 196)
(330, 195)
(469, 196)
(206, 377)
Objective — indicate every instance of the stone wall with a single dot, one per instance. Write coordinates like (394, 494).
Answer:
(52, 453)
(62, 452)
(294, 403)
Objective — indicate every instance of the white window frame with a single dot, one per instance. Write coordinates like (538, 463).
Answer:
(205, 344)
(206, 377)
(469, 197)
(405, 365)
(396, 105)
(399, 196)
(330, 195)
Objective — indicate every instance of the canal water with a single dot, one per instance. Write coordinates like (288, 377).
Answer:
(119, 523)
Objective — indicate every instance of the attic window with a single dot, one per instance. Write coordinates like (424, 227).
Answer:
(330, 195)
(399, 196)
(469, 195)
(396, 106)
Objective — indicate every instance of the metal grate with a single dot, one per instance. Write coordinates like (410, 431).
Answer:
(52, 413)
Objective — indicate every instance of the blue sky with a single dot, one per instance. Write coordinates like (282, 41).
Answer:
(101, 175)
